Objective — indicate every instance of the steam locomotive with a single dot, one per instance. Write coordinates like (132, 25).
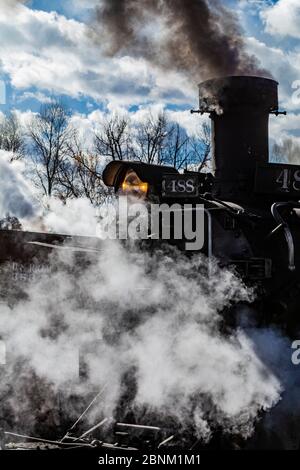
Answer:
(252, 209)
(251, 206)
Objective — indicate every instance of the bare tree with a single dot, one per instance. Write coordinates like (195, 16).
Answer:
(50, 134)
(12, 137)
(201, 146)
(180, 150)
(10, 222)
(112, 139)
(80, 174)
(176, 148)
(155, 140)
(288, 151)
(150, 139)
(277, 154)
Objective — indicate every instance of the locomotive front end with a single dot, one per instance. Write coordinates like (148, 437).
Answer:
(250, 206)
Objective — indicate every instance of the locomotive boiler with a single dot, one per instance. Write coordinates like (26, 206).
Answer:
(251, 205)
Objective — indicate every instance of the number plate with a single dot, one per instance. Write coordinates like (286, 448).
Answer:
(180, 186)
(278, 179)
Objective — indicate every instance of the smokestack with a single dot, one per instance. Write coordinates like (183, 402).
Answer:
(239, 108)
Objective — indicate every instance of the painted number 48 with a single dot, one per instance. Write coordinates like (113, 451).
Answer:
(289, 179)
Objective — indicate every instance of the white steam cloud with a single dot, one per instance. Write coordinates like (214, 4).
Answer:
(74, 217)
(157, 317)
(148, 320)
(16, 195)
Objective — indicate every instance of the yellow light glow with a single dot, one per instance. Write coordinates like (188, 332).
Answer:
(133, 186)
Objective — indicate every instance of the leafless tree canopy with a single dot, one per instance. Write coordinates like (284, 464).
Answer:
(177, 149)
(155, 140)
(151, 139)
(112, 139)
(80, 174)
(61, 164)
(50, 137)
(12, 136)
(288, 151)
(201, 145)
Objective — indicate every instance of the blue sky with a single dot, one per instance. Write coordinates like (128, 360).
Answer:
(45, 53)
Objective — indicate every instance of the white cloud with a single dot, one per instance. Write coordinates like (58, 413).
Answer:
(190, 122)
(284, 66)
(86, 125)
(284, 125)
(79, 5)
(24, 117)
(12, 3)
(285, 128)
(55, 54)
(37, 95)
(283, 18)
(17, 197)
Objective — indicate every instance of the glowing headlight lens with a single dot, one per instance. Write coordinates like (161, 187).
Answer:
(133, 186)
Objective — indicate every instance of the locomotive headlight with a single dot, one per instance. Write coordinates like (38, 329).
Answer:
(136, 179)
(132, 185)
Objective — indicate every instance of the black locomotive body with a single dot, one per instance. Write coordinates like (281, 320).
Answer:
(252, 213)
(251, 208)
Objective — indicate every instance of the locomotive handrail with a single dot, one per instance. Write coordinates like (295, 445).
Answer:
(287, 231)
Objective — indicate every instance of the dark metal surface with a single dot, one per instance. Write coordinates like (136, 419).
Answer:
(239, 108)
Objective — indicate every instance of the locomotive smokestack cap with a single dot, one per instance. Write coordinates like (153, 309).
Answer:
(239, 107)
(223, 94)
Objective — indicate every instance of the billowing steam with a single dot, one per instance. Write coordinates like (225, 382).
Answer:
(16, 196)
(201, 38)
(146, 327)
(155, 317)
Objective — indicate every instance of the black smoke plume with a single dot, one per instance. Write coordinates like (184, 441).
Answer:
(201, 38)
